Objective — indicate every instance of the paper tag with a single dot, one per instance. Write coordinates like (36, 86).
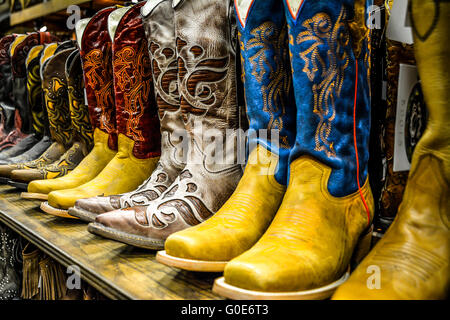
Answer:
(408, 79)
(399, 27)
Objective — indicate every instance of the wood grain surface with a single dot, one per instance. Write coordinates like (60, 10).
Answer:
(117, 270)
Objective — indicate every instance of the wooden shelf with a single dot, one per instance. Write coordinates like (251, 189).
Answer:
(42, 9)
(116, 270)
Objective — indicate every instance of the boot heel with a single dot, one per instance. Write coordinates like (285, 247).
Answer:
(363, 247)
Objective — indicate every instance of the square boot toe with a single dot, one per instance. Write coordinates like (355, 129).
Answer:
(40, 186)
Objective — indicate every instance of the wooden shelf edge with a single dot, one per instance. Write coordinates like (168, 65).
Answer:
(109, 291)
(42, 9)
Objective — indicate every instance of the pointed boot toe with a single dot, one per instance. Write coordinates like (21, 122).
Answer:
(98, 205)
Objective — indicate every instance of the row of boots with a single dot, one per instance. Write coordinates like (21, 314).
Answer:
(161, 87)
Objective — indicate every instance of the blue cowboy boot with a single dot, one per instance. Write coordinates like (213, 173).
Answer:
(238, 225)
(328, 205)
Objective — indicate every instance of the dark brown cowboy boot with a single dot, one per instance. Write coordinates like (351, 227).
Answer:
(207, 84)
(6, 104)
(57, 102)
(52, 152)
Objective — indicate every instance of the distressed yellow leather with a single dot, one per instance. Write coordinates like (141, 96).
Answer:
(122, 174)
(311, 239)
(413, 256)
(87, 170)
(241, 221)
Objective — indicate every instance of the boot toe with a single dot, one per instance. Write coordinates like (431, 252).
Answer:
(121, 220)
(63, 199)
(26, 175)
(5, 170)
(39, 186)
(95, 205)
(182, 245)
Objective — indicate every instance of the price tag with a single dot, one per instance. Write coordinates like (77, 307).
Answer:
(399, 26)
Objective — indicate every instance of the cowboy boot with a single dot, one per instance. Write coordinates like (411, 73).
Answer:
(38, 110)
(328, 205)
(55, 150)
(137, 121)
(95, 53)
(411, 261)
(19, 51)
(161, 39)
(57, 102)
(81, 124)
(6, 104)
(242, 220)
(33, 146)
(207, 84)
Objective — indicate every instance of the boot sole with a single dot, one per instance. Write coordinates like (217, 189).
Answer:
(133, 240)
(4, 180)
(54, 211)
(83, 215)
(189, 264)
(235, 293)
(34, 196)
(19, 185)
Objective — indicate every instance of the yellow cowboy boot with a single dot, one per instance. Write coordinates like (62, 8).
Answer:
(411, 261)
(242, 220)
(328, 206)
(139, 137)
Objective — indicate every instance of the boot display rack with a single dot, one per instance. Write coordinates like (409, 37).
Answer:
(116, 270)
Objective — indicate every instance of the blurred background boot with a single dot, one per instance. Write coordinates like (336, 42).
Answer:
(413, 256)
(139, 136)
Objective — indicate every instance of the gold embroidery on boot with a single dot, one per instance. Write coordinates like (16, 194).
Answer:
(280, 82)
(103, 91)
(136, 90)
(328, 82)
(58, 115)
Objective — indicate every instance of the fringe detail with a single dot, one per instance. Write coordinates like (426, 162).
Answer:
(53, 285)
(30, 280)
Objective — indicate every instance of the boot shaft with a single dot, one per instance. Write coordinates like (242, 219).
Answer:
(329, 56)
(34, 91)
(79, 112)
(206, 63)
(56, 97)
(96, 56)
(158, 20)
(267, 79)
(136, 111)
(5, 68)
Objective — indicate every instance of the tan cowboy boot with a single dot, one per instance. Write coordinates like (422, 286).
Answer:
(411, 261)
